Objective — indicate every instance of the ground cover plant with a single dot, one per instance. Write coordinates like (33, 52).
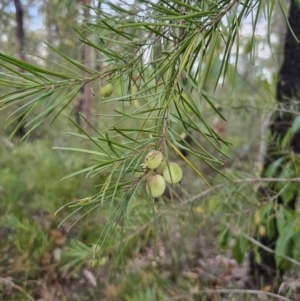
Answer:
(164, 190)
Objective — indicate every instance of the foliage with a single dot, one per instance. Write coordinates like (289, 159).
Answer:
(167, 63)
(29, 196)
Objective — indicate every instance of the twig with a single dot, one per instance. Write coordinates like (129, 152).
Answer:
(228, 291)
(255, 180)
(254, 241)
(13, 285)
(205, 193)
(220, 15)
(164, 130)
(263, 145)
(7, 143)
(247, 180)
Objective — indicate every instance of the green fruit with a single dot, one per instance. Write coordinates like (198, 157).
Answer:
(172, 173)
(161, 167)
(106, 90)
(153, 159)
(157, 185)
(144, 176)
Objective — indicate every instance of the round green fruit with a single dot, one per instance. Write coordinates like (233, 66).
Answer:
(172, 173)
(106, 90)
(157, 185)
(153, 159)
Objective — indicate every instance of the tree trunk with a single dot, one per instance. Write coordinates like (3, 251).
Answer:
(21, 46)
(20, 29)
(288, 91)
(87, 89)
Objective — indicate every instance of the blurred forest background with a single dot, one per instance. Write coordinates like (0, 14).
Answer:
(191, 245)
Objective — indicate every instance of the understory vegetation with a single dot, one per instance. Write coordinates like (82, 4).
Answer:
(195, 81)
(170, 254)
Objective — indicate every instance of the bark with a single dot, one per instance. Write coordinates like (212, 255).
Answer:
(20, 37)
(98, 54)
(20, 29)
(87, 89)
(288, 91)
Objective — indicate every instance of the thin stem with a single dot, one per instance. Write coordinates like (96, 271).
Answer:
(229, 291)
(13, 285)
(163, 138)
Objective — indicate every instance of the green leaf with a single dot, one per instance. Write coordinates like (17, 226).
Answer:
(224, 238)
(284, 244)
(296, 244)
(35, 70)
(240, 249)
(289, 193)
(273, 167)
(296, 125)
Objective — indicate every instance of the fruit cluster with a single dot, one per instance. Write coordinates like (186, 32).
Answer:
(157, 172)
